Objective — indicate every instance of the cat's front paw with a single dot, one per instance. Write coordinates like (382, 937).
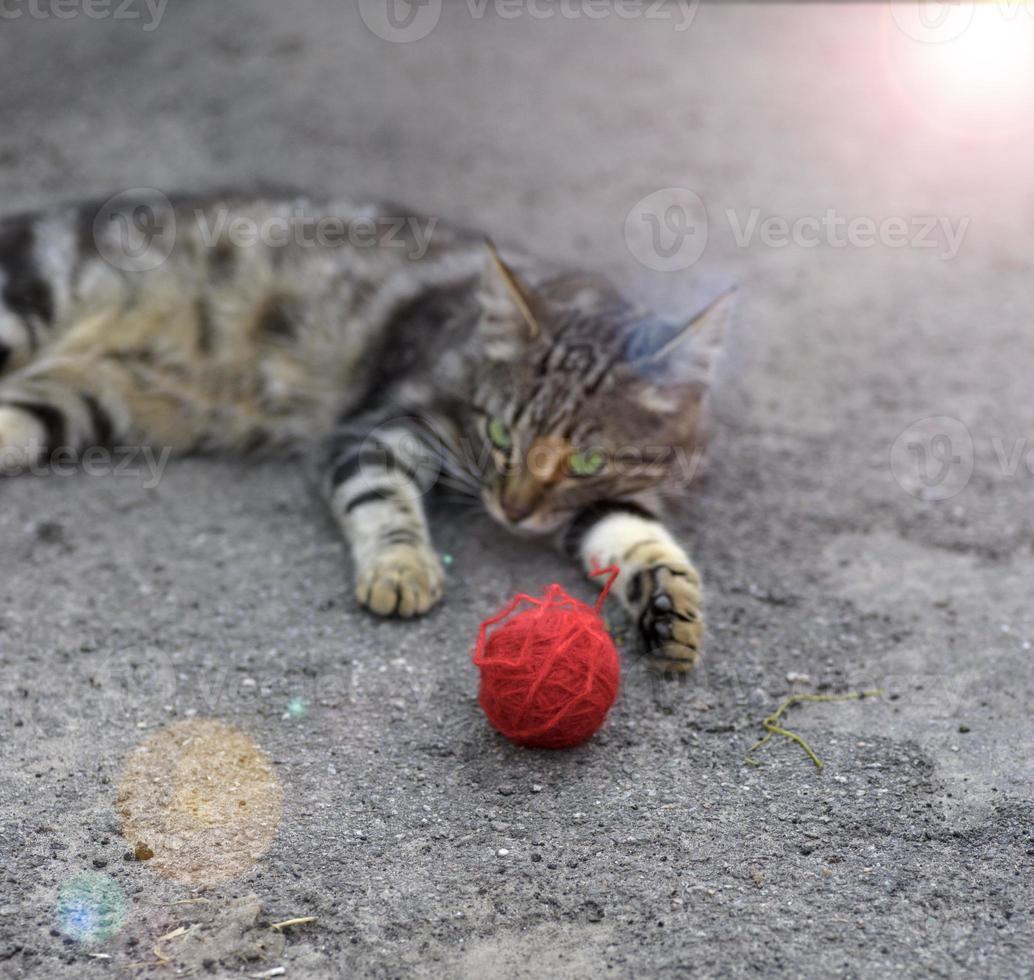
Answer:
(21, 440)
(671, 628)
(403, 580)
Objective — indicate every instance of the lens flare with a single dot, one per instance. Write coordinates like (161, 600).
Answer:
(200, 802)
(296, 708)
(91, 907)
(966, 68)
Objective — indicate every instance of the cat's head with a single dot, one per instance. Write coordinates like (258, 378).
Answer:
(582, 396)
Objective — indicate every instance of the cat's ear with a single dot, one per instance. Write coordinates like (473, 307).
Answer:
(508, 318)
(681, 357)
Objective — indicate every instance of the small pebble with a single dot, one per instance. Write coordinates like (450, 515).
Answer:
(536, 787)
(502, 852)
(50, 532)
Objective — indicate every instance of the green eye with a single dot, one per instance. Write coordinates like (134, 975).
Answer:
(499, 435)
(586, 463)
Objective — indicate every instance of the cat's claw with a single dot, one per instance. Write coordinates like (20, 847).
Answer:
(671, 628)
(401, 581)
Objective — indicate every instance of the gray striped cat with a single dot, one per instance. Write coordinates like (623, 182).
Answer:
(409, 353)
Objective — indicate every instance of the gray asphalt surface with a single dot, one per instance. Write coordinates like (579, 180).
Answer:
(423, 844)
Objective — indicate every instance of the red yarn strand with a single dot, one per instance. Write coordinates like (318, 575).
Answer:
(613, 571)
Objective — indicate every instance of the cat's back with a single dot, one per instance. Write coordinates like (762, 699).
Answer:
(270, 304)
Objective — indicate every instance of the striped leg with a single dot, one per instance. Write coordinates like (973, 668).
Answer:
(73, 403)
(28, 299)
(658, 584)
(51, 407)
(373, 484)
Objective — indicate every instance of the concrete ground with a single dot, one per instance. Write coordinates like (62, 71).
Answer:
(841, 537)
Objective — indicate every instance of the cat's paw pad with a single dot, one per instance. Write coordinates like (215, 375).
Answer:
(401, 581)
(671, 628)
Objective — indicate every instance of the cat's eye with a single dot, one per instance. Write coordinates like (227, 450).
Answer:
(586, 463)
(499, 435)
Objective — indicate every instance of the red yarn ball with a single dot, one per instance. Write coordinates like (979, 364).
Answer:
(549, 675)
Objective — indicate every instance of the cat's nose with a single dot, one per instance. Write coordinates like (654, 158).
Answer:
(517, 510)
(520, 497)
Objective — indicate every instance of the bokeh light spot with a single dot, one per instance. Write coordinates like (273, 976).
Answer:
(91, 907)
(297, 707)
(202, 799)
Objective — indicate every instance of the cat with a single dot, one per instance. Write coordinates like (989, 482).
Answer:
(409, 353)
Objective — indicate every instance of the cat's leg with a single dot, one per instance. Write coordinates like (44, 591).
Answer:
(75, 402)
(374, 483)
(657, 584)
(17, 340)
(42, 412)
(33, 254)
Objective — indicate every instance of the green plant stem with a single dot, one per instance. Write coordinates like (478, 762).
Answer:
(772, 726)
